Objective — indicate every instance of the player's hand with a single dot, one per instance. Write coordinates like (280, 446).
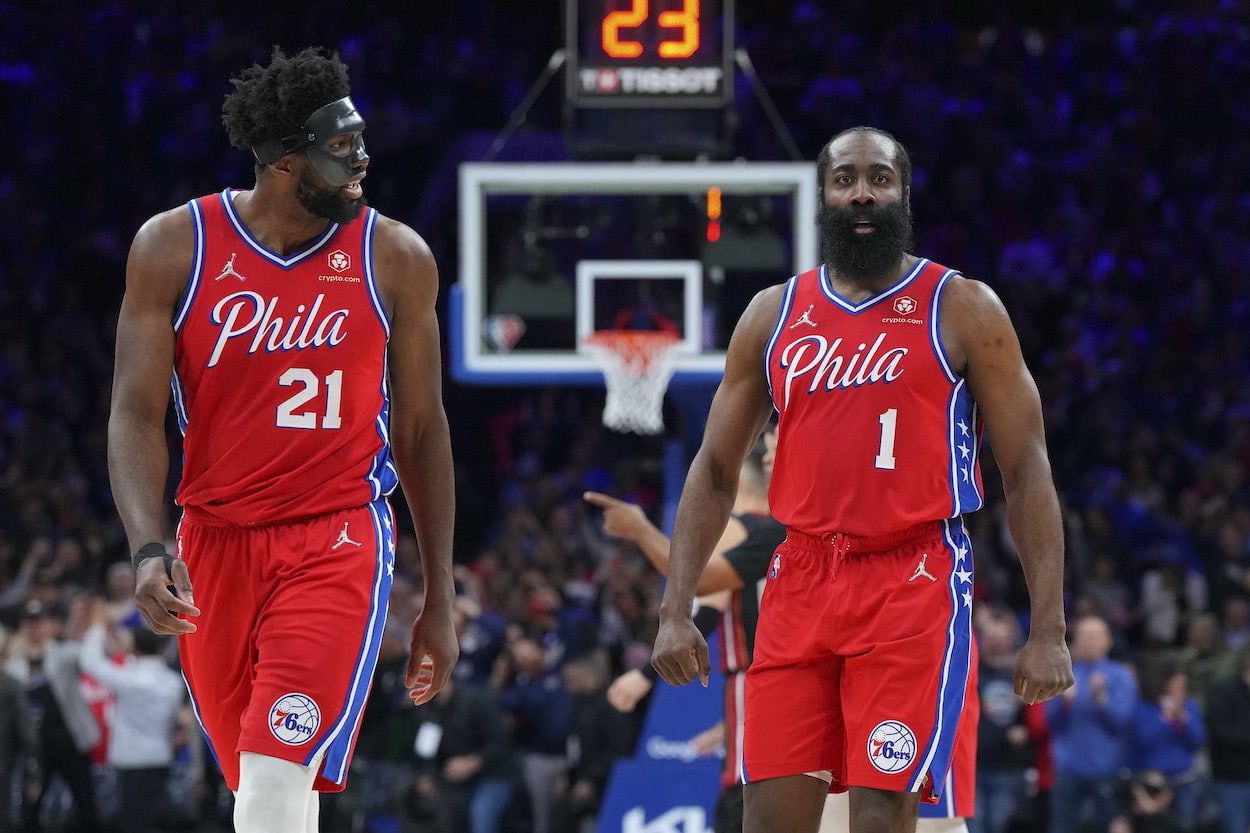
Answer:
(680, 652)
(432, 655)
(162, 609)
(624, 520)
(707, 742)
(628, 690)
(460, 768)
(1043, 669)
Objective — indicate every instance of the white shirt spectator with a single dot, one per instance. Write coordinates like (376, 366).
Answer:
(149, 694)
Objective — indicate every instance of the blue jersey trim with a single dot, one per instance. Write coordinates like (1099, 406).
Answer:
(371, 281)
(783, 315)
(195, 705)
(964, 448)
(945, 808)
(956, 660)
(337, 743)
(200, 246)
(935, 326)
(382, 476)
(270, 255)
(194, 281)
(826, 288)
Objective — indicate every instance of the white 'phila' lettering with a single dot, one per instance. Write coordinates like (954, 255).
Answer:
(814, 355)
(248, 312)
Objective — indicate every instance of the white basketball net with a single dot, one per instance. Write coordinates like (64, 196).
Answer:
(637, 366)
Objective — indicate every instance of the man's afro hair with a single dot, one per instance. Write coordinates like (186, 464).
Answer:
(274, 101)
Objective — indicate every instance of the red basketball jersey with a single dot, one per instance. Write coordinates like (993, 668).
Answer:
(280, 373)
(876, 431)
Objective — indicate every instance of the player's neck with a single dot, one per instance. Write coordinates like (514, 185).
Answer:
(277, 220)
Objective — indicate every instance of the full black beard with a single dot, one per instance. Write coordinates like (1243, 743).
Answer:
(327, 202)
(868, 255)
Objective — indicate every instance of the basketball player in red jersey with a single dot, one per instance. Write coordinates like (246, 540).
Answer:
(298, 327)
(729, 589)
(882, 368)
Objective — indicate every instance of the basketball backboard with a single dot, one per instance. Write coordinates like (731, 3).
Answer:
(551, 252)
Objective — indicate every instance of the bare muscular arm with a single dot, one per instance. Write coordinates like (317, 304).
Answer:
(421, 443)
(628, 521)
(739, 411)
(156, 272)
(982, 342)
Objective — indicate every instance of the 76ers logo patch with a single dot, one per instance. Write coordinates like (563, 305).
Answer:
(891, 746)
(294, 719)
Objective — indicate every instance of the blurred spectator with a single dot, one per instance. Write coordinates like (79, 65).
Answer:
(1005, 751)
(1167, 734)
(1042, 776)
(36, 554)
(119, 591)
(384, 757)
(48, 667)
(1235, 621)
(541, 710)
(18, 742)
(599, 735)
(1228, 733)
(1089, 724)
(1148, 806)
(148, 699)
(1207, 656)
(466, 772)
(1170, 596)
(1111, 597)
(1228, 563)
(481, 641)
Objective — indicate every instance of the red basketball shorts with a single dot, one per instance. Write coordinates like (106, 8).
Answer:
(291, 617)
(863, 654)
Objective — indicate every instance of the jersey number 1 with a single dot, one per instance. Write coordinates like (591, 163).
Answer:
(311, 386)
(885, 454)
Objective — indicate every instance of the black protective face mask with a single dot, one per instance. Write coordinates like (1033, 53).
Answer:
(325, 124)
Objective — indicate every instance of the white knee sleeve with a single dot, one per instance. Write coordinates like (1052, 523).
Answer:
(951, 825)
(836, 819)
(837, 815)
(314, 813)
(275, 795)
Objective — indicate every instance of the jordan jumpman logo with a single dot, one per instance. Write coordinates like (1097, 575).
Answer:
(921, 571)
(228, 269)
(805, 318)
(343, 539)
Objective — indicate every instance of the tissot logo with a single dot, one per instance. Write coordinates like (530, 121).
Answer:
(652, 81)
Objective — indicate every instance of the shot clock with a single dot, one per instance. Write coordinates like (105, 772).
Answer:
(649, 53)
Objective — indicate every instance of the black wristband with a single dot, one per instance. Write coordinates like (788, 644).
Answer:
(153, 550)
(706, 619)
